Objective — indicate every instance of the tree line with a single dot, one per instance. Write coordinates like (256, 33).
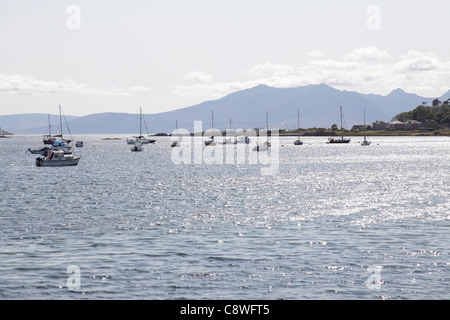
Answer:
(437, 115)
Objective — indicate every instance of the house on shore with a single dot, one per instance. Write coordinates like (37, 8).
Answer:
(396, 125)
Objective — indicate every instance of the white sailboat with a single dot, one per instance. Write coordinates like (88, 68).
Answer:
(231, 132)
(298, 142)
(66, 141)
(140, 138)
(1, 133)
(365, 142)
(266, 145)
(176, 143)
(48, 139)
(211, 142)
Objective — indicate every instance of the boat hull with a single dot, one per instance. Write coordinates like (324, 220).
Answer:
(57, 163)
(338, 140)
(143, 141)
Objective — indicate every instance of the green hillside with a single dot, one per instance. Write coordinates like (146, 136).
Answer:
(437, 115)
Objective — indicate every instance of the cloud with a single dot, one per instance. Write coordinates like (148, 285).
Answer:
(366, 69)
(415, 61)
(25, 84)
(269, 69)
(199, 77)
(367, 54)
(315, 54)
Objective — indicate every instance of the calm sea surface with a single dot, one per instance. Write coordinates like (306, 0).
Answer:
(334, 222)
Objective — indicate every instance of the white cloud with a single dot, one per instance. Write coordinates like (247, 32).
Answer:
(415, 61)
(367, 69)
(368, 54)
(269, 69)
(315, 54)
(199, 77)
(25, 84)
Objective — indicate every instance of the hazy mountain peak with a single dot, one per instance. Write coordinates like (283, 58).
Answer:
(397, 92)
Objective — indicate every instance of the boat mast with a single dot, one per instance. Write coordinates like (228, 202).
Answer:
(341, 125)
(49, 127)
(140, 122)
(298, 122)
(60, 122)
(364, 124)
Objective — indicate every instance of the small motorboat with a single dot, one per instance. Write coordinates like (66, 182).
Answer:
(140, 139)
(41, 150)
(79, 144)
(341, 140)
(136, 147)
(57, 158)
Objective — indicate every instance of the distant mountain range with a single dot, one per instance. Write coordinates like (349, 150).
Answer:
(318, 105)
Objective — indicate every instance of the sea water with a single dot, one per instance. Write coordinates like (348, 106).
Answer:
(333, 222)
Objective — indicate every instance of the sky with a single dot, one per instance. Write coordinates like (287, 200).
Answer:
(118, 56)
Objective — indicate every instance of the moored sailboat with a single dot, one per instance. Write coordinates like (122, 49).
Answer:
(176, 143)
(339, 140)
(365, 142)
(298, 142)
(266, 144)
(211, 141)
(140, 138)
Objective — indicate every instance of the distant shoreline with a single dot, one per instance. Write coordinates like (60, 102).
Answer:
(415, 133)
(304, 133)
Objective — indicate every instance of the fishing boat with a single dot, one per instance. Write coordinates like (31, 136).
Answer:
(365, 142)
(57, 158)
(140, 138)
(298, 142)
(339, 140)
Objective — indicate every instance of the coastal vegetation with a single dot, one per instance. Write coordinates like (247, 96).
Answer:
(436, 116)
